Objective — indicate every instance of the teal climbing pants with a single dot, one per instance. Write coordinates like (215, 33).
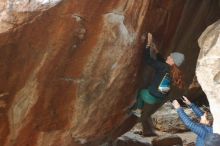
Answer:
(145, 97)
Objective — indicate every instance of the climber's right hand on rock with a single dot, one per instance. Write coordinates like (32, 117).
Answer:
(186, 100)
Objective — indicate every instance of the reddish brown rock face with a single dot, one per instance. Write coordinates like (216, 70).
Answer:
(70, 71)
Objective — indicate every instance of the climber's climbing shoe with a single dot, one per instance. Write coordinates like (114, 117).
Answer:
(137, 112)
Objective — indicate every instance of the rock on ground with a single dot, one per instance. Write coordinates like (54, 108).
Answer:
(131, 139)
(166, 119)
(167, 140)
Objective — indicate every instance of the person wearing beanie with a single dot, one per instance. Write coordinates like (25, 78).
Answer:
(167, 74)
(178, 58)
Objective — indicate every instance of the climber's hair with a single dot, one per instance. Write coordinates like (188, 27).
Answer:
(177, 77)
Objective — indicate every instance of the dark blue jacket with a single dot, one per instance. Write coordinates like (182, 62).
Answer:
(161, 69)
(199, 129)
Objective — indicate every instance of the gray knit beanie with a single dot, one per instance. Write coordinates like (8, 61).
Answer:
(178, 58)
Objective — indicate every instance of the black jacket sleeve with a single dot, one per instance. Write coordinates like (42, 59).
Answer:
(157, 64)
(160, 58)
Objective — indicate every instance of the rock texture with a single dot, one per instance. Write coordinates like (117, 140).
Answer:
(188, 138)
(131, 139)
(208, 69)
(166, 119)
(15, 13)
(167, 140)
(69, 68)
(196, 16)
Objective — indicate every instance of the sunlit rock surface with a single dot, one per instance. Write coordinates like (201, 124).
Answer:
(17, 12)
(208, 69)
